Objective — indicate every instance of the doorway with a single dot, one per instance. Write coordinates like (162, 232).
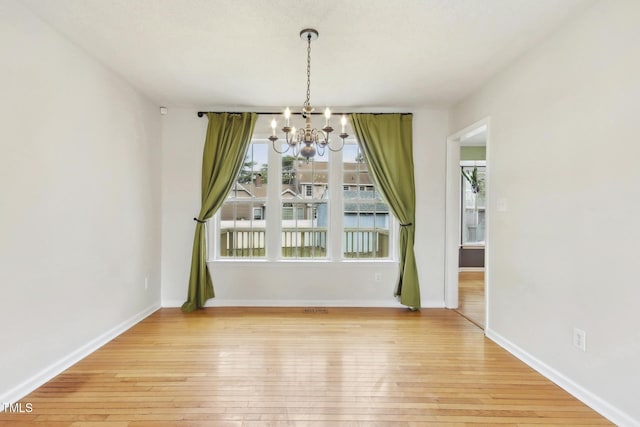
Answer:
(467, 249)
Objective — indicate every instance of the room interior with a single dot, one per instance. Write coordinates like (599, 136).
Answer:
(100, 188)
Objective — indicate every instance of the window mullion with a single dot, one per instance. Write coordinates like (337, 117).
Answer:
(335, 229)
(273, 209)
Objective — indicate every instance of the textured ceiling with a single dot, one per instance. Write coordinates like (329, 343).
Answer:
(247, 53)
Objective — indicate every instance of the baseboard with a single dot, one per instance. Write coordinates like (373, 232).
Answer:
(214, 302)
(26, 387)
(463, 269)
(596, 403)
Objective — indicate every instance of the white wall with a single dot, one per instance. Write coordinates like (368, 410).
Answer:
(564, 153)
(79, 196)
(279, 283)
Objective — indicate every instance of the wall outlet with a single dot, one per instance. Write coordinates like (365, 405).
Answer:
(377, 277)
(146, 282)
(580, 339)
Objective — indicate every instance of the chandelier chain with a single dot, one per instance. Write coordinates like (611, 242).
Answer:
(307, 103)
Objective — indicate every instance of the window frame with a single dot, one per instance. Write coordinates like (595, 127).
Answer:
(272, 214)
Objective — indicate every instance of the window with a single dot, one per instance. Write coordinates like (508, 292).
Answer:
(365, 214)
(304, 231)
(473, 202)
(286, 208)
(289, 212)
(242, 230)
(258, 213)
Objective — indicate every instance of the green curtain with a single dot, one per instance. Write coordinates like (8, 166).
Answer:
(387, 145)
(228, 136)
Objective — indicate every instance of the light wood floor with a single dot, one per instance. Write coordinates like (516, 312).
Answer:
(294, 366)
(471, 302)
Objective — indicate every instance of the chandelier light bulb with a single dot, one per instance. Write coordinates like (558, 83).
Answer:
(327, 115)
(273, 127)
(287, 115)
(343, 121)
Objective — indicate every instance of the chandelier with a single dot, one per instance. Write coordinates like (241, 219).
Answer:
(308, 141)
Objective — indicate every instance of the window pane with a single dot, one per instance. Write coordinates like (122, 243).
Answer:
(473, 204)
(366, 215)
(242, 216)
(304, 231)
(305, 214)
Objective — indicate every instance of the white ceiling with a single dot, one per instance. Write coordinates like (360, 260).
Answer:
(247, 53)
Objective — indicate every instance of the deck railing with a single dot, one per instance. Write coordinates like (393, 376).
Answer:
(304, 242)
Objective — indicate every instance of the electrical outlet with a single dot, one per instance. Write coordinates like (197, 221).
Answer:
(377, 277)
(580, 339)
(146, 282)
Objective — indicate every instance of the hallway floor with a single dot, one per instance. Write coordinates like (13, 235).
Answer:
(471, 296)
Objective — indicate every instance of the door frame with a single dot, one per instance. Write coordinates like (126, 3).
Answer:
(453, 181)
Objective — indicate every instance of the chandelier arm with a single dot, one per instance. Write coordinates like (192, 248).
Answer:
(278, 151)
(335, 150)
(326, 137)
(315, 137)
(294, 143)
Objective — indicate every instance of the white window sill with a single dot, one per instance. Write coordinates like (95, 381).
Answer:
(257, 261)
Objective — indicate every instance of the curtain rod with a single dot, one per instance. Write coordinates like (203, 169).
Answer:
(202, 113)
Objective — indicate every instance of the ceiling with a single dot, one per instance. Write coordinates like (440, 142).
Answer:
(373, 54)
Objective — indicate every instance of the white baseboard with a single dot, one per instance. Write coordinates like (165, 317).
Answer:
(463, 269)
(214, 302)
(26, 387)
(596, 403)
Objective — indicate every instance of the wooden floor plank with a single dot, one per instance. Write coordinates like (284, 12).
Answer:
(291, 366)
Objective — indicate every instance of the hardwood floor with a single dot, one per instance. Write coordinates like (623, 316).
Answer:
(471, 303)
(295, 366)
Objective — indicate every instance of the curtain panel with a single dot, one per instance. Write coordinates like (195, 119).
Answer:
(225, 147)
(387, 145)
